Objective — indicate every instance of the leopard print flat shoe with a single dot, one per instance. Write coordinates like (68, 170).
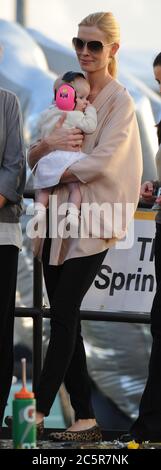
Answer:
(88, 435)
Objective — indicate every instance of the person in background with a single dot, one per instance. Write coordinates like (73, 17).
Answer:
(12, 182)
(110, 172)
(148, 424)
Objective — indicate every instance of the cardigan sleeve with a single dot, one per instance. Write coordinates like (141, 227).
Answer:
(112, 172)
(118, 146)
(13, 162)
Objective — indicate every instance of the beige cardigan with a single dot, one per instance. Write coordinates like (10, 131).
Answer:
(111, 172)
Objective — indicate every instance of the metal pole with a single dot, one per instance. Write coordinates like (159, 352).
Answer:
(21, 12)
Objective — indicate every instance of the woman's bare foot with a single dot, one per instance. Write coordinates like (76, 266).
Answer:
(82, 424)
(39, 417)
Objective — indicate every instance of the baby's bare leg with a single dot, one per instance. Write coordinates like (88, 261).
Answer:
(74, 194)
(74, 203)
(42, 196)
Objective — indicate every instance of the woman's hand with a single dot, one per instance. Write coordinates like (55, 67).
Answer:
(60, 139)
(64, 139)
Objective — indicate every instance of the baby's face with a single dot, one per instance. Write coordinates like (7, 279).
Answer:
(82, 90)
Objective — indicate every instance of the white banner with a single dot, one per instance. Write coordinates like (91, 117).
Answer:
(126, 280)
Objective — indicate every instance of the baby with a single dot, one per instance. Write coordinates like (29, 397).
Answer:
(71, 96)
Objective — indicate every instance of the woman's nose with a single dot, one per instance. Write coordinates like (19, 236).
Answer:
(85, 49)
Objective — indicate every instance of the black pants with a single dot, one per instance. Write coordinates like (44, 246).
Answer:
(8, 276)
(65, 360)
(149, 420)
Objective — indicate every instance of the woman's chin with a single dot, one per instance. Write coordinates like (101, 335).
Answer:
(87, 66)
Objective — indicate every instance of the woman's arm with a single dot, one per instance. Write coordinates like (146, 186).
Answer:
(68, 177)
(117, 147)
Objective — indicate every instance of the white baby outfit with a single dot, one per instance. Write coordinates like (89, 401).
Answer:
(49, 169)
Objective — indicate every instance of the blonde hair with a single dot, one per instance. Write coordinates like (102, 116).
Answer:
(107, 23)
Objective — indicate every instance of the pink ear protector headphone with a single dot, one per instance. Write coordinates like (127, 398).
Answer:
(66, 97)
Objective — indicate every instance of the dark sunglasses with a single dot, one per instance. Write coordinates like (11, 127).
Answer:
(93, 46)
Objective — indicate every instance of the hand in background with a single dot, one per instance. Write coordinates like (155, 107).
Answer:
(3, 201)
(147, 190)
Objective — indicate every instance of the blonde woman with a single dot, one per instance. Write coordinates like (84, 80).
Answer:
(111, 172)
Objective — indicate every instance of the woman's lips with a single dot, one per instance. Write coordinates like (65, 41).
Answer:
(86, 61)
